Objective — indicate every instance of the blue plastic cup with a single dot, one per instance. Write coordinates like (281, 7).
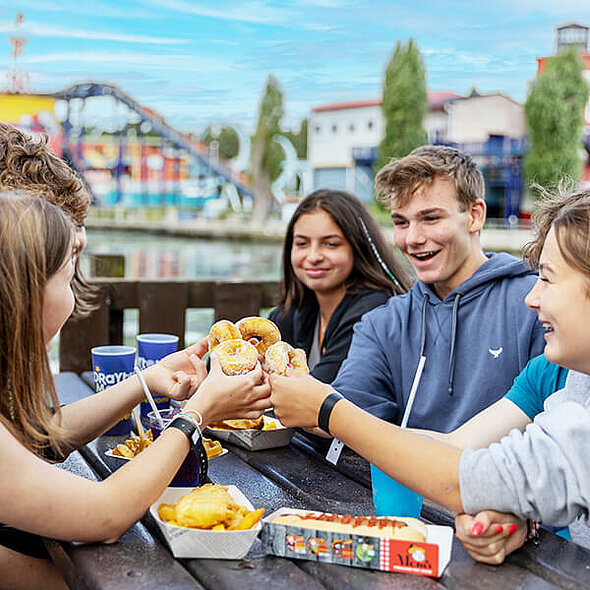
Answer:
(392, 498)
(188, 474)
(111, 365)
(150, 349)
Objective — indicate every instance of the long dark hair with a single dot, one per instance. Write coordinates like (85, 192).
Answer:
(374, 267)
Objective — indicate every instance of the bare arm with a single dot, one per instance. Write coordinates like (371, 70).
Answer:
(396, 451)
(43, 499)
(489, 426)
(177, 376)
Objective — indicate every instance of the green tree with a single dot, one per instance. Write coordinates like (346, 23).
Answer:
(405, 103)
(555, 117)
(227, 139)
(299, 139)
(266, 155)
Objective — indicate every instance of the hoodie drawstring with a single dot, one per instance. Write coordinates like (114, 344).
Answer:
(423, 334)
(453, 338)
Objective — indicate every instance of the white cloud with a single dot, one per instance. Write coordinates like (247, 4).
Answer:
(37, 29)
(258, 12)
(188, 63)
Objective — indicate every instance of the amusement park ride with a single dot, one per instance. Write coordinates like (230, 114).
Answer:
(143, 161)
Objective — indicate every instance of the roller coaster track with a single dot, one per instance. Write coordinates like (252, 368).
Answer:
(158, 125)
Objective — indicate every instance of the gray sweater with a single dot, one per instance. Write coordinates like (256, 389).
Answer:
(542, 473)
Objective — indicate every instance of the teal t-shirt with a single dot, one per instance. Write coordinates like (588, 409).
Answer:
(537, 381)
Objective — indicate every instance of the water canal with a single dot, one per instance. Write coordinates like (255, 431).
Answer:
(149, 256)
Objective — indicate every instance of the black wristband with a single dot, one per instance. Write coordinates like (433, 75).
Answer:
(326, 410)
(196, 442)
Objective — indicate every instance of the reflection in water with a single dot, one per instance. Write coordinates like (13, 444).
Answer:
(148, 256)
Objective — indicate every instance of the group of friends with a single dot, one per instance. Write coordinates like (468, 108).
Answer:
(499, 349)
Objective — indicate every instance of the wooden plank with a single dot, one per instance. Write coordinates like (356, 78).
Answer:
(162, 308)
(201, 294)
(237, 300)
(78, 336)
(314, 484)
(270, 293)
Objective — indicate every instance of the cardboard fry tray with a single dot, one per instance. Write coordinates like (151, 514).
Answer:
(197, 543)
(255, 440)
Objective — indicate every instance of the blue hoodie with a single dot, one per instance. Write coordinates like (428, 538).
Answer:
(475, 341)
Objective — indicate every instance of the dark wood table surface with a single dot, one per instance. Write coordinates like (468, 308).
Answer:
(295, 476)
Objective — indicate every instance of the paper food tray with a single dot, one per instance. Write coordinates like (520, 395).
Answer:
(255, 440)
(196, 543)
(110, 453)
(425, 559)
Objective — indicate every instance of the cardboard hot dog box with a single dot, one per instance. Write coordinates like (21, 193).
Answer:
(425, 558)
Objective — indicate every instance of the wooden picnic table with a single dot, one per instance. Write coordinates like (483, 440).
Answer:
(294, 476)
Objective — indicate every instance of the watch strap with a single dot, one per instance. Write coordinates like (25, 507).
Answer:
(196, 442)
(326, 409)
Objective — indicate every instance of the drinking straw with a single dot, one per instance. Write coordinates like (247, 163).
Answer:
(149, 397)
(137, 419)
(413, 390)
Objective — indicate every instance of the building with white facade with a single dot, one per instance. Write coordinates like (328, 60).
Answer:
(343, 139)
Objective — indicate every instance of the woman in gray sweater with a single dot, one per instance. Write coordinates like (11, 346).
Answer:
(541, 473)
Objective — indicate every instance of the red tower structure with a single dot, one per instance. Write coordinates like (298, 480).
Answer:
(18, 79)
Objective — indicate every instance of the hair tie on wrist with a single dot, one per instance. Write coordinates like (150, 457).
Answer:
(198, 416)
(326, 410)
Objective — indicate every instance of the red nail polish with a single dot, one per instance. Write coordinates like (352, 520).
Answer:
(477, 529)
(499, 529)
(512, 528)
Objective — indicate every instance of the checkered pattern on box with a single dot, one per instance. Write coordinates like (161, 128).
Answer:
(385, 554)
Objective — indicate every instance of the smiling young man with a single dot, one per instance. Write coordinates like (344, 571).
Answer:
(465, 314)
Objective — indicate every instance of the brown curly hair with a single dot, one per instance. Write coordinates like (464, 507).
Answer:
(28, 166)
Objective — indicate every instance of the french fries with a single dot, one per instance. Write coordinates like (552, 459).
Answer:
(209, 507)
(134, 445)
(269, 425)
(212, 447)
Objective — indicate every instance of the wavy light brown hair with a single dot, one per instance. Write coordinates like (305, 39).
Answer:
(569, 215)
(400, 178)
(349, 214)
(35, 240)
(27, 165)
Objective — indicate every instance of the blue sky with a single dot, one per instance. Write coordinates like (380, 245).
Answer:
(196, 62)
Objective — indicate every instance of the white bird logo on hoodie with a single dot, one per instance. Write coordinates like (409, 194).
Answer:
(496, 352)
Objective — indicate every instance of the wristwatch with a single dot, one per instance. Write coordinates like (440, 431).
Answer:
(196, 441)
